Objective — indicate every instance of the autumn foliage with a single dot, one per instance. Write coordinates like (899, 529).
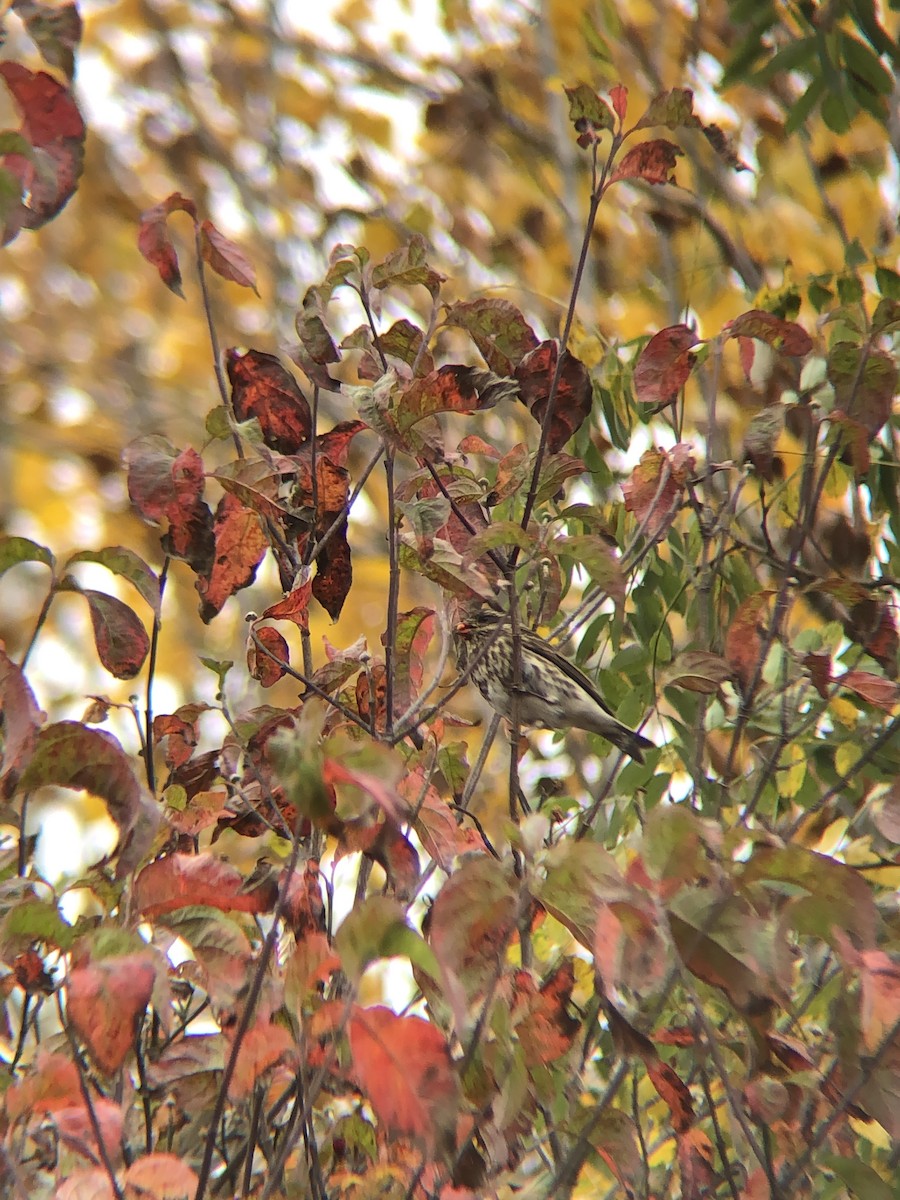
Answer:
(671, 978)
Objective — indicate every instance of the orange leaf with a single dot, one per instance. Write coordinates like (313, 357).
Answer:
(106, 999)
(404, 1067)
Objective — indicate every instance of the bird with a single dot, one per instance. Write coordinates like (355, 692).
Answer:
(552, 692)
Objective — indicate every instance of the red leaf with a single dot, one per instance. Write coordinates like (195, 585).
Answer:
(294, 607)
(404, 1067)
(180, 880)
(652, 161)
(664, 365)
(334, 573)
(22, 719)
(451, 389)
(786, 336)
(335, 444)
(166, 483)
(573, 397)
(497, 328)
(546, 1029)
(883, 693)
(226, 258)
(122, 641)
(263, 1047)
(654, 491)
(674, 1092)
(71, 755)
(618, 94)
(155, 243)
(105, 1002)
(240, 546)
(159, 1176)
(261, 387)
(415, 630)
(53, 126)
(260, 665)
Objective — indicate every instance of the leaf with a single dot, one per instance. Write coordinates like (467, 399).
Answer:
(545, 1028)
(294, 607)
(240, 545)
(15, 550)
(71, 755)
(165, 484)
(406, 266)
(744, 638)
(312, 330)
(864, 381)
(472, 922)
(403, 1065)
(22, 719)
(127, 565)
(55, 30)
(664, 364)
(415, 629)
(53, 127)
(595, 555)
(264, 1045)
(883, 693)
(451, 389)
(160, 1176)
(574, 397)
(497, 328)
(860, 1178)
(155, 242)
(655, 489)
(785, 336)
(698, 671)
(121, 640)
(618, 94)
(226, 259)
(260, 665)
(674, 109)
(105, 1002)
(405, 341)
(588, 112)
(375, 929)
(261, 387)
(653, 162)
(182, 880)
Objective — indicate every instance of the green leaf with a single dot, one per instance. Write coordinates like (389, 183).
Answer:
(15, 550)
(376, 929)
(587, 110)
(127, 565)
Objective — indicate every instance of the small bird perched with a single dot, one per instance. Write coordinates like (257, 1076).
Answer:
(553, 692)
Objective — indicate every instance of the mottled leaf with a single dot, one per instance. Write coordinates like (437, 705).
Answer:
(653, 162)
(497, 328)
(240, 546)
(535, 374)
(261, 387)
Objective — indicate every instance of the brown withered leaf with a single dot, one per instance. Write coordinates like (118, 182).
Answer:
(653, 162)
